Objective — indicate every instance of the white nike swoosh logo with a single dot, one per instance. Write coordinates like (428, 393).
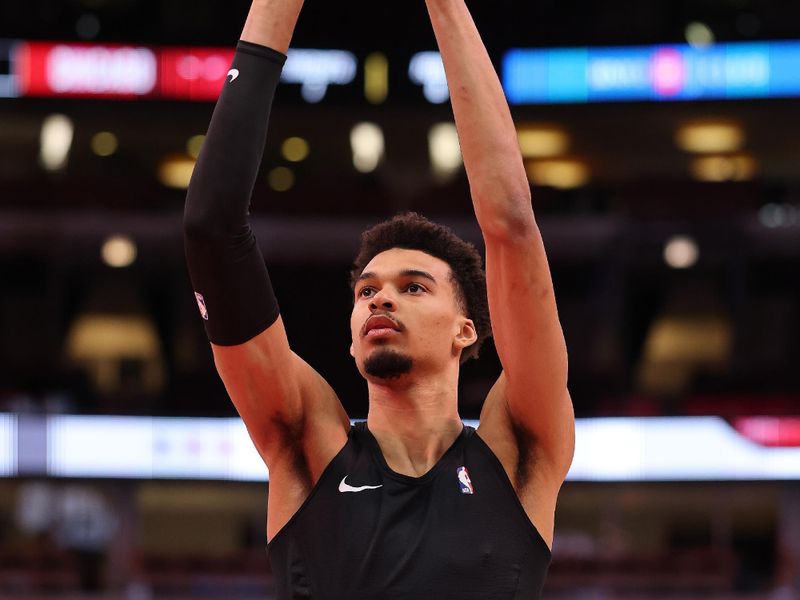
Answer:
(233, 74)
(343, 487)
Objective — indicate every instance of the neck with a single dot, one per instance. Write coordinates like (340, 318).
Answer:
(415, 421)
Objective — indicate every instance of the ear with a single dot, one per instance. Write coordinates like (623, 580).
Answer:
(352, 351)
(466, 336)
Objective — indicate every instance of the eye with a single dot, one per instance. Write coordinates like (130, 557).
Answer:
(366, 292)
(415, 288)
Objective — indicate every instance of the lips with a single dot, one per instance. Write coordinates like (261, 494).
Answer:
(380, 325)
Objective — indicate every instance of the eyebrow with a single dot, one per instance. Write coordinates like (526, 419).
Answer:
(403, 273)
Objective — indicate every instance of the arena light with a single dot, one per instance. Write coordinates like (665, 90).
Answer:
(194, 144)
(742, 167)
(376, 78)
(316, 70)
(427, 69)
(367, 144)
(295, 149)
(175, 171)
(699, 35)
(281, 179)
(774, 215)
(444, 150)
(55, 141)
(542, 141)
(710, 137)
(119, 251)
(104, 143)
(681, 252)
(561, 174)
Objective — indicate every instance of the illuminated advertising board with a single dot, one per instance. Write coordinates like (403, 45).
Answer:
(146, 448)
(607, 449)
(85, 70)
(8, 445)
(193, 73)
(127, 72)
(652, 73)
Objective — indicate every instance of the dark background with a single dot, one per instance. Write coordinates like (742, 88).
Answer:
(605, 239)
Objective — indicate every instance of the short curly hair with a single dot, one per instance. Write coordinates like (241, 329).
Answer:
(412, 231)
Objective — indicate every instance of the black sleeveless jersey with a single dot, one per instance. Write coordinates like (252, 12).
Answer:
(368, 533)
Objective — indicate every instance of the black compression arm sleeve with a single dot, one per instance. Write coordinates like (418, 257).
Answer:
(227, 270)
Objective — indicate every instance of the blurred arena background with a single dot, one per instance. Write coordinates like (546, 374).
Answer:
(661, 137)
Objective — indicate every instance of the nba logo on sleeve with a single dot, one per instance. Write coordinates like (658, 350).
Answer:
(201, 304)
(464, 482)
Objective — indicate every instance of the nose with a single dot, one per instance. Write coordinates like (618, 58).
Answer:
(382, 301)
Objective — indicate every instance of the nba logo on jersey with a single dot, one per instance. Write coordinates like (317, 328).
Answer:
(201, 304)
(464, 481)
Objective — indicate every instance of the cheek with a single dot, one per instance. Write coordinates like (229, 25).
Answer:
(436, 327)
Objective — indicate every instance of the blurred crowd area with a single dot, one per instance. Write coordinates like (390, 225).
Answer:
(187, 540)
(721, 338)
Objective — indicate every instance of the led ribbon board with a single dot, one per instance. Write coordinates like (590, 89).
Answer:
(129, 72)
(607, 449)
(652, 73)
(8, 445)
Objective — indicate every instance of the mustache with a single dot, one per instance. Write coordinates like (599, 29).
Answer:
(397, 324)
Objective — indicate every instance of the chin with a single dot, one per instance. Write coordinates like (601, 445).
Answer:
(386, 364)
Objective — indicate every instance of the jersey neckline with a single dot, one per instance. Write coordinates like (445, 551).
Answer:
(408, 479)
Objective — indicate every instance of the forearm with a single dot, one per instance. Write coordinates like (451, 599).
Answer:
(271, 23)
(499, 185)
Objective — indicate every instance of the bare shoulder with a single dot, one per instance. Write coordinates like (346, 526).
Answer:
(532, 469)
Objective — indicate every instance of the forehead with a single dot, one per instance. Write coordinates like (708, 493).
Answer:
(390, 262)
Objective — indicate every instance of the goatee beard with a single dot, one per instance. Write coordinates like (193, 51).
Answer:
(387, 364)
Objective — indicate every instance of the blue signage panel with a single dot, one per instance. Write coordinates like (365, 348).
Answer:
(652, 73)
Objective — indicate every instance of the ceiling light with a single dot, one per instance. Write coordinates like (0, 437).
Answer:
(542, 142)
(710, 137)
(281, 179)
(366, 141)
(741, 167)
(194, 144)
(119, 251)
(175, 171)
(562, 174)
(376, 78)
(55, 141)
(681, 252)
(104, 143)
(699, 35)
(444, 150)
(295, 149)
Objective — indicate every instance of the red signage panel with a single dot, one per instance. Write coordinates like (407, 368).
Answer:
(193, 73)
(86, 70)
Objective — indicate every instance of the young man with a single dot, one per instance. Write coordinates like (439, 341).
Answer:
(411, 504)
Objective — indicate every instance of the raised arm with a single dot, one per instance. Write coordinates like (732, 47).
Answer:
(531, 395)
(270, 386)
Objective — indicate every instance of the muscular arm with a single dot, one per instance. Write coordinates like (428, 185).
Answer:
(270, 386)
(531, 395)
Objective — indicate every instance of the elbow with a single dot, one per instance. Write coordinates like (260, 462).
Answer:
(197, 225)
(508, 220)
(203, 218)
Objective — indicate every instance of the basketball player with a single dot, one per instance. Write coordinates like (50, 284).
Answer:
(410, 504)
